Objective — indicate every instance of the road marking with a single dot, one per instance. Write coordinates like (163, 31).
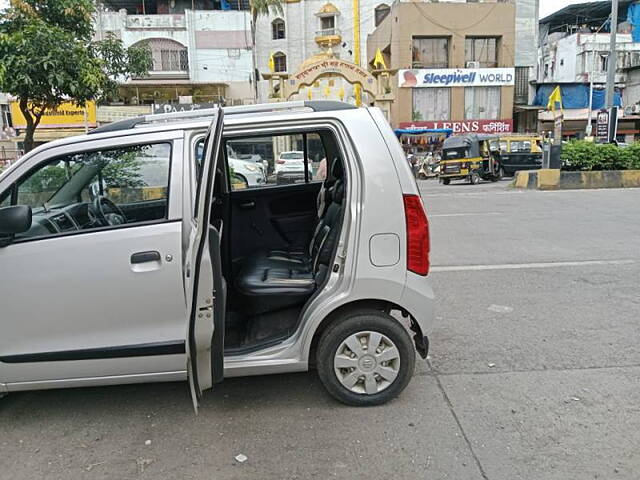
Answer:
(521, 266)
(464, 214)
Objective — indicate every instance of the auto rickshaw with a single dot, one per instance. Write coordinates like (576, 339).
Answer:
(469, 157)
(518, 152)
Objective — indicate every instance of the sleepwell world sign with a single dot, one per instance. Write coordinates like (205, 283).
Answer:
(456, 77)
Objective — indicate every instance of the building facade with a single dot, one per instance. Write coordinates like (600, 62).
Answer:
(200, 56)
(8, 149)
(525, 118)
(574, 55)
(450, 72)
(309, 30)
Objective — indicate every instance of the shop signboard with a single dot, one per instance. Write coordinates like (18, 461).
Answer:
(66, 115)
(602, 126)
(181, 107)
(456, 77)
(466, 126)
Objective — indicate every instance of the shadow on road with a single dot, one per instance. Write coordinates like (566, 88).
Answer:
(231, 395)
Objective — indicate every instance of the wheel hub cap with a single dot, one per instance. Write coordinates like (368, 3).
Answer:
(367, 362)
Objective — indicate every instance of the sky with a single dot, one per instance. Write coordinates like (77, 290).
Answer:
(547, 7)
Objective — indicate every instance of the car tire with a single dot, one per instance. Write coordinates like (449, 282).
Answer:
(376, 381)
(446, 181)
(474, 179)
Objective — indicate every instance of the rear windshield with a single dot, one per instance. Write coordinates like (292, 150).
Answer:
(292, 155)
(520, 146)
(453, 153)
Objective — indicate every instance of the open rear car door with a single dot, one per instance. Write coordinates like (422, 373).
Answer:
(199, 277)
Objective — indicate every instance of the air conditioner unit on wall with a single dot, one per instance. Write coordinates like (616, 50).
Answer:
(472, 64)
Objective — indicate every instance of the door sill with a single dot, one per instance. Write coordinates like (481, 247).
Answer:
(255, 347)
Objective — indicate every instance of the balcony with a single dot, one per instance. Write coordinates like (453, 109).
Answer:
(328, 37)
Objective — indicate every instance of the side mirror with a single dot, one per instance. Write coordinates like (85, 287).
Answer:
(13, 220)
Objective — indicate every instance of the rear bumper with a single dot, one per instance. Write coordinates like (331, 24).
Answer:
(418, 300)
(289, 177)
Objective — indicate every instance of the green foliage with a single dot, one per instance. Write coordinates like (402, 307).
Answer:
(264, 7)
(582, 155)
(122, 170)
(48, 55)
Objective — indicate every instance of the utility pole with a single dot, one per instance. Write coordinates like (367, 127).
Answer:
(589, 129)
(611, 63)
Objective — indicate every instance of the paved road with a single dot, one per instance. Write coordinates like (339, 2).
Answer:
(534, 372)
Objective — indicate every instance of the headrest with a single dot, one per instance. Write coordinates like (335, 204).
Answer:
(336, 168)
(337, 192)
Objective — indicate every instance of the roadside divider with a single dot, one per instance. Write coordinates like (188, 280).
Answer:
(554, 179)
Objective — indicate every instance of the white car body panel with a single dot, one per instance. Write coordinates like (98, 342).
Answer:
(252, 172)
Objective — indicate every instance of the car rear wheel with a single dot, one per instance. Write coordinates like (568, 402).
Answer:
(446, 181)
(366, 358)
(474, 179)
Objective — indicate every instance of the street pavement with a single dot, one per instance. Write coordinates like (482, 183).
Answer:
(534, 372)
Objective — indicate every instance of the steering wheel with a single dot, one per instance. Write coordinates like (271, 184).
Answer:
(107, 212)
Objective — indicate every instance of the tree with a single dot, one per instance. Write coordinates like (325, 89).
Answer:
(260, 8)
(48, 56)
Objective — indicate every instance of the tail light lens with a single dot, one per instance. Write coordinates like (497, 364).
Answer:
(417, 235)
(280, 161)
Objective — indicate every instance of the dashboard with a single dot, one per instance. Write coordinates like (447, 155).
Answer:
(78, 216)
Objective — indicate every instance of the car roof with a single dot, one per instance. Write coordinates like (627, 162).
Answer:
(201, 119)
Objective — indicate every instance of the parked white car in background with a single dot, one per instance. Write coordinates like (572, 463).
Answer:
(290, 167)
(250, 172)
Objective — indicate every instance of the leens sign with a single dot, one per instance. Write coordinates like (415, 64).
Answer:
(466, 126)
(456, 77)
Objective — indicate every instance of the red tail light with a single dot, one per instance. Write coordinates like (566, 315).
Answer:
(417, 235)
(280, 161)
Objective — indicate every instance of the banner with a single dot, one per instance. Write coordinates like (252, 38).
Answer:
(466, 126)
(352, 73)
(67, 115)
(456, 77)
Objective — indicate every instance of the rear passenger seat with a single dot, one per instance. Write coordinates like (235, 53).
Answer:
(285, 278)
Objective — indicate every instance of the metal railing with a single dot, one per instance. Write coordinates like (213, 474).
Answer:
(327, 32)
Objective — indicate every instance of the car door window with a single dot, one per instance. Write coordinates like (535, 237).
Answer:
(107, 188)
(5, 200)
(276, 160)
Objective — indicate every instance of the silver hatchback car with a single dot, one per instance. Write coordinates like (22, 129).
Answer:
(137, 255)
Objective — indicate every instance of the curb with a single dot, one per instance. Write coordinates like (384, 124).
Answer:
(553, 179)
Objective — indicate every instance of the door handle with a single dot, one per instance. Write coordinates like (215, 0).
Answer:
(145, 257)
(247, 205)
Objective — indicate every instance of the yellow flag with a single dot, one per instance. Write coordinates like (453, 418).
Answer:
(341, 93)
(555, 99)
(327, 91)
(272, 63)
(378, 60)
(309, 94)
